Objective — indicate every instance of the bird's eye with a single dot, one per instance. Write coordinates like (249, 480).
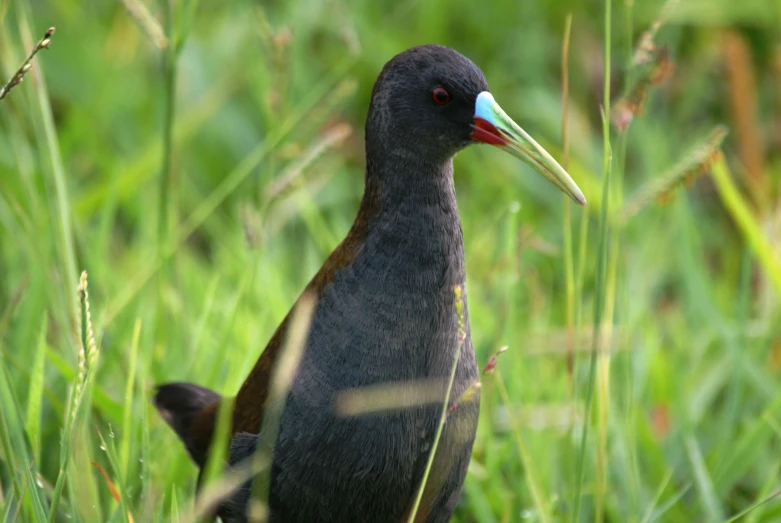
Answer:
(440, 96)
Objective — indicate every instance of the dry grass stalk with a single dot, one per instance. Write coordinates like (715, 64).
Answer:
(645, 48)
(696, 162)
(331, 138)
(20, 73)
(742, 98)
(281, 381)
(389, 397)
(651, 66)
(148, 23)
(652, 73)
(411, 517)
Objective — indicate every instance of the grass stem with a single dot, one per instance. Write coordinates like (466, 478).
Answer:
(445, 404)
(569, 270)
(601, 286)
(165, 201)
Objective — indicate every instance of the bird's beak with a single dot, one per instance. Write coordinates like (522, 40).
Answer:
(491, 125)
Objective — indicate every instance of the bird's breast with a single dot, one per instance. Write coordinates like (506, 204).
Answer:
(391, 315)
(386, 319)
(364, 337)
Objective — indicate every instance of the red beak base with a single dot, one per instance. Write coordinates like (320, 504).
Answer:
(484, 131)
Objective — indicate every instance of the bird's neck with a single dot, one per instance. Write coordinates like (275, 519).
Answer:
(410, 210)
(405, 182)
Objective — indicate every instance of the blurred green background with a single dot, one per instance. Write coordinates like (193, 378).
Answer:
(201, 159)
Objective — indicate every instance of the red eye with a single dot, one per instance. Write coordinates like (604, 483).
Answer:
(440, 96)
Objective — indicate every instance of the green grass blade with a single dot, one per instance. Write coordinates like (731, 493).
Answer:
(540, 503)
(127, 423)
(703, 481)
(174, 512)
(69, 273)
(81, 392)
(600, 291)
(752, 232)
(16, 451)
(754, 511)
(35, 390)
(459, 300)
(111, 452)
(657, 496)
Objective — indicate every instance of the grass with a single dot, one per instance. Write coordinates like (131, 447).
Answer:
(668, 281)
(459, 301)
(598, 346)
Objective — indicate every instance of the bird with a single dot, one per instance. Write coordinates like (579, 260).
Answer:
(385, 313)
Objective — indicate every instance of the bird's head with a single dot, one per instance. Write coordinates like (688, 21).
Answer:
(430, 102)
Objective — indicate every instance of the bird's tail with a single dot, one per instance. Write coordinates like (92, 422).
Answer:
(191, 411)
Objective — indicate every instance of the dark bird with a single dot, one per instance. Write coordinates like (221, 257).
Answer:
(385, 314)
